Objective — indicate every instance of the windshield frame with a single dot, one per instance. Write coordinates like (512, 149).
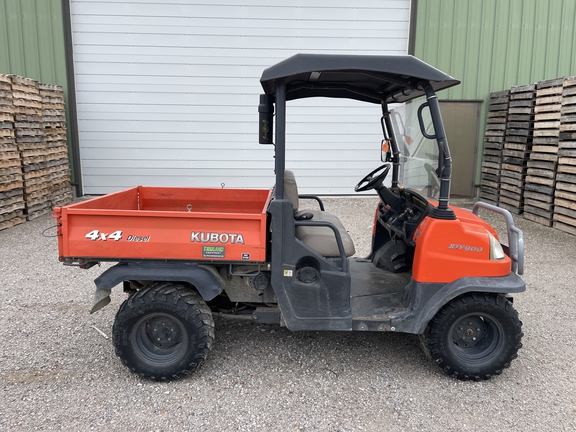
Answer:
(444, 169)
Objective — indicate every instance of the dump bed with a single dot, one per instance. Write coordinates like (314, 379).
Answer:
(159, 223)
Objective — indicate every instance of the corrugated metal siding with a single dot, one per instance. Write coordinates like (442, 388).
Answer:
(32, 40)
(493, 45)
(168, 91)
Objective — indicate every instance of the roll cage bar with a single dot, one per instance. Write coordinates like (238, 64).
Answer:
(373, 79)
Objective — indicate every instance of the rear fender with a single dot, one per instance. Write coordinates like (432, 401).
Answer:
(205, 278)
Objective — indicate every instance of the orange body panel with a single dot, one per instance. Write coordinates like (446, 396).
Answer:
(167, 223)
(447, 250)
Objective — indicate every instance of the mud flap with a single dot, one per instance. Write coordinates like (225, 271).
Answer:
(101, 299)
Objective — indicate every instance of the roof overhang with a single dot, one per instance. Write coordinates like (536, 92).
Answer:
(374, 79)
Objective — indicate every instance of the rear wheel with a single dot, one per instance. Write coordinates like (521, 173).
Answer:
(163, 331)
(474, 336)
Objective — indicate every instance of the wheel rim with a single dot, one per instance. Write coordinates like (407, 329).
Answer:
(476, 338)
(159, 339)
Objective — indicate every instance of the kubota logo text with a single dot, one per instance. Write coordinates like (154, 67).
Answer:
(212, 237)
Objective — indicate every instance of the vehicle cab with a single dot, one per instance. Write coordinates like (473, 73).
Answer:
(421, 247)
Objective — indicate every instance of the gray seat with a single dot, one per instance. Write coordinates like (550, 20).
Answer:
(320, 239)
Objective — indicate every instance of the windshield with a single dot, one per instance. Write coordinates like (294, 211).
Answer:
(418, 154)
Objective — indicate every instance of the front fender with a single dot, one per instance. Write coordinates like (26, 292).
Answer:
(205, 278)
(428, 299)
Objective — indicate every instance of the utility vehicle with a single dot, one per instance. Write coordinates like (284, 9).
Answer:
(434, 270)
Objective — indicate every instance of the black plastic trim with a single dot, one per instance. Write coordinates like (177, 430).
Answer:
(206, 280)
(445, 214)
(428, 298)
(323, 305)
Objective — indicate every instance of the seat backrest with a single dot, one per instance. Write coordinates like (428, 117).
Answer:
(291, 189)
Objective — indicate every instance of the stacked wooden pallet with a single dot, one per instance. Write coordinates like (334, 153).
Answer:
(565, 194)
(29, 135)
(11, 185)
(41, 139)
(540, 181)
(493, 142)
(56, 157)
(517, 145)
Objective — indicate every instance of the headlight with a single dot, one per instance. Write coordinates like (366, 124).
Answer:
(496, 251)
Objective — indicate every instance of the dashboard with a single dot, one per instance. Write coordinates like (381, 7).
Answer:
(402, 217)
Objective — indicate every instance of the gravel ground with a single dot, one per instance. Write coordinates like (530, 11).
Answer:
(57, 372)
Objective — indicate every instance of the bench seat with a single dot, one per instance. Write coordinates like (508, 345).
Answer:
(320, 239)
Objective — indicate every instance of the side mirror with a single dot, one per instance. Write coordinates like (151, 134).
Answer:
(266, 119)
(385, 151)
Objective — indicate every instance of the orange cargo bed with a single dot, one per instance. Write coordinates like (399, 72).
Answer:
(162, 223)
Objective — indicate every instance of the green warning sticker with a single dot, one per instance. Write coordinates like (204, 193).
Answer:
(213, 251)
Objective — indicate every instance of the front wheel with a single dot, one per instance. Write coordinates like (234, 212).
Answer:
(163, 331)
(474, 336)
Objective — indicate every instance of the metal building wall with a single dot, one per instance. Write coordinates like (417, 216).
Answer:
(492, 45)
(32, 41)
(167, 90)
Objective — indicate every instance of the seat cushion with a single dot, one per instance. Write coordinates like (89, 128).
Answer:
(323, 239)
(291, 189)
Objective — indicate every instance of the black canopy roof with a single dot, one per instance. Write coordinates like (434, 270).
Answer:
(373, 79)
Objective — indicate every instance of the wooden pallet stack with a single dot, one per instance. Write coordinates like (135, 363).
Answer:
(29, 137)
(56, 156)
(11, 185)
(41, 139)
(493, 143)
(565, 194)
(517, 145)
(540, 179)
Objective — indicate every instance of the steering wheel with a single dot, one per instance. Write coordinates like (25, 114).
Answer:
(374, 179)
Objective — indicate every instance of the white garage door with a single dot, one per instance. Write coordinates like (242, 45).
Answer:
(167, 90)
